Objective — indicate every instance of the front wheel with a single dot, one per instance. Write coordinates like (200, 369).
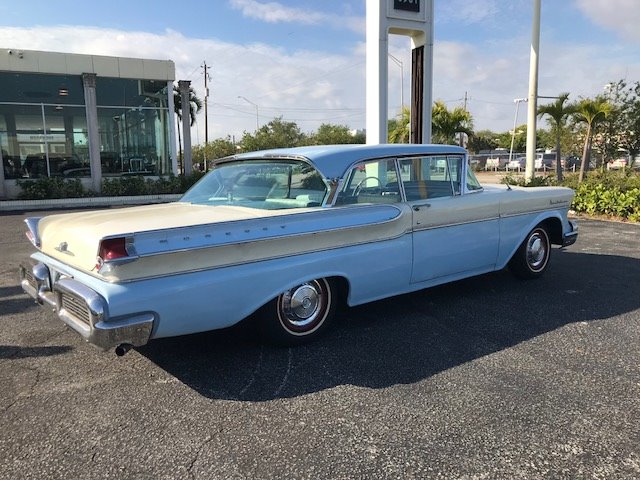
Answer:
(532, 257)
(299, 314)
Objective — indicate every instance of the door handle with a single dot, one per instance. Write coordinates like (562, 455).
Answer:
(418, 206)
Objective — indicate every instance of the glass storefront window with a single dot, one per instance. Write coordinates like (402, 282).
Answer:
(43, 126)
(44, 140)
(133, 123)
(36, 88)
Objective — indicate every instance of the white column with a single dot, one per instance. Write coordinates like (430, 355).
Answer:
(2, 192)
(533, 93)
(91, 108)
(376, 72)
(172, 129)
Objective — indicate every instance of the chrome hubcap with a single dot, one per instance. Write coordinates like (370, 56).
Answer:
(536, 251)
(303, 305)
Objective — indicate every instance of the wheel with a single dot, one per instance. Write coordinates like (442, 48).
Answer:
(300, 314)
(532, 257)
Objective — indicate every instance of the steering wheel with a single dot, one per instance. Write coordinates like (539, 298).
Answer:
(356, 190)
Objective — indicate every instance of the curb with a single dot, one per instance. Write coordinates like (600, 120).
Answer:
(17, 205)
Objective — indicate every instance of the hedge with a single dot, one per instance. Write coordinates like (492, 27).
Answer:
(58, 187)
(613, 193)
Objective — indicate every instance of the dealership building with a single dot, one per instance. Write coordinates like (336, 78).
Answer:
(84, 116)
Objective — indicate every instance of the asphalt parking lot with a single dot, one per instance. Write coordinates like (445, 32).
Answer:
(489, 377)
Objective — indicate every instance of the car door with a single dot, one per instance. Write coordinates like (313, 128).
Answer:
(454, 234)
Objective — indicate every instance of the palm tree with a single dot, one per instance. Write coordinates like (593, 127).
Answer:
(445, 123)
(591, 112)
(558, 113)
(400, 127)
(195, 104)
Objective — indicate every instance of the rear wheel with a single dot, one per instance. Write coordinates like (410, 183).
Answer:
(300, 314)
(532, 257)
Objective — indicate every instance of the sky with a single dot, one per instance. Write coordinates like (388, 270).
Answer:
(304, 60)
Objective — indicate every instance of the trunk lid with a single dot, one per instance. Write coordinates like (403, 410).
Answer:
(74, 238)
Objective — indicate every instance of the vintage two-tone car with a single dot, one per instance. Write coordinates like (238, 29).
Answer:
(281, 236)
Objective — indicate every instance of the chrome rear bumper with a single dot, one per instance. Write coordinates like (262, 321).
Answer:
(84, 310)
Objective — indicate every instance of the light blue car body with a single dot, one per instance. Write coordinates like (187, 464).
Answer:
(416, 257)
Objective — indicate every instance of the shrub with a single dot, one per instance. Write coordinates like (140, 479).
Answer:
(57, 187)
(125, 186)
(607, 193)
(52, 187)
(614, 193)
(537, 181)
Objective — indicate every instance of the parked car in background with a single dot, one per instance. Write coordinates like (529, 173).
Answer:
(284, 236)
(544, 160)
(618, 163)
(519, 163)
(572, 162)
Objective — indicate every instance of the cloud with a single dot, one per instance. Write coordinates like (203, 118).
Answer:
(274, 12)
(470, 12)
(314, 87)
(619, 16)
(308, 87)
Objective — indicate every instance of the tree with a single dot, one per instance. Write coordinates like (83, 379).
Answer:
(220, 147)
(590, 112)
(558, 113)
(399, 128)
(624, 121)
(275, 134)
(446, 123)
(195, 104)
(331, 134)
(483, 140)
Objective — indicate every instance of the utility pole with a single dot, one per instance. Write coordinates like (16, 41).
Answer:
(206, 116)
(461, 142)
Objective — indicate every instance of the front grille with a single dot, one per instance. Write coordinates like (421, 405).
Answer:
(76, 306)
(28, 276)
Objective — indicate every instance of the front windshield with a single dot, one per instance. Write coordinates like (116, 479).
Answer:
(263, 184)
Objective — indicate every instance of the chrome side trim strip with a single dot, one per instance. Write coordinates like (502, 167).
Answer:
(235, 264)
(550, 209)
(432, 227)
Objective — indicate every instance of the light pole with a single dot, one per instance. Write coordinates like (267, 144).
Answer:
(515, 121)
(398, 62)
(257, 114)
(533, 92)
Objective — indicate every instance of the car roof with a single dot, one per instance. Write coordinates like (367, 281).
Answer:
(334, 160)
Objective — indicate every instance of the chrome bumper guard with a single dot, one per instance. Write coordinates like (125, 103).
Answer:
(84, 310)
(570, 238)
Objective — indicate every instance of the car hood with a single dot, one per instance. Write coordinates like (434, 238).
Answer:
(74, 238)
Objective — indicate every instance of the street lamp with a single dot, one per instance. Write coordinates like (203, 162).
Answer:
(398, 62)
(257, 114)
(515, 121)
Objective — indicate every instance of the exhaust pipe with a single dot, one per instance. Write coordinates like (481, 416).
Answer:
(123, 348)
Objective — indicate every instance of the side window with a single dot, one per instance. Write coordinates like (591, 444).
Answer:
(431, 177)
(371, 182)
(472, 182)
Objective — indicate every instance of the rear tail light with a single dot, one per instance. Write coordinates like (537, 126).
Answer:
(114, 249)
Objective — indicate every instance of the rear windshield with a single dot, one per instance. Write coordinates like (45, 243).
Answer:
(261, 184)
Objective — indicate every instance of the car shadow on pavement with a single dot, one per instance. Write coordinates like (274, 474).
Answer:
(12, 352)
(408, 338)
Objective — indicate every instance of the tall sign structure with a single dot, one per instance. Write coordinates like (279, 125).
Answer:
(412, 18)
